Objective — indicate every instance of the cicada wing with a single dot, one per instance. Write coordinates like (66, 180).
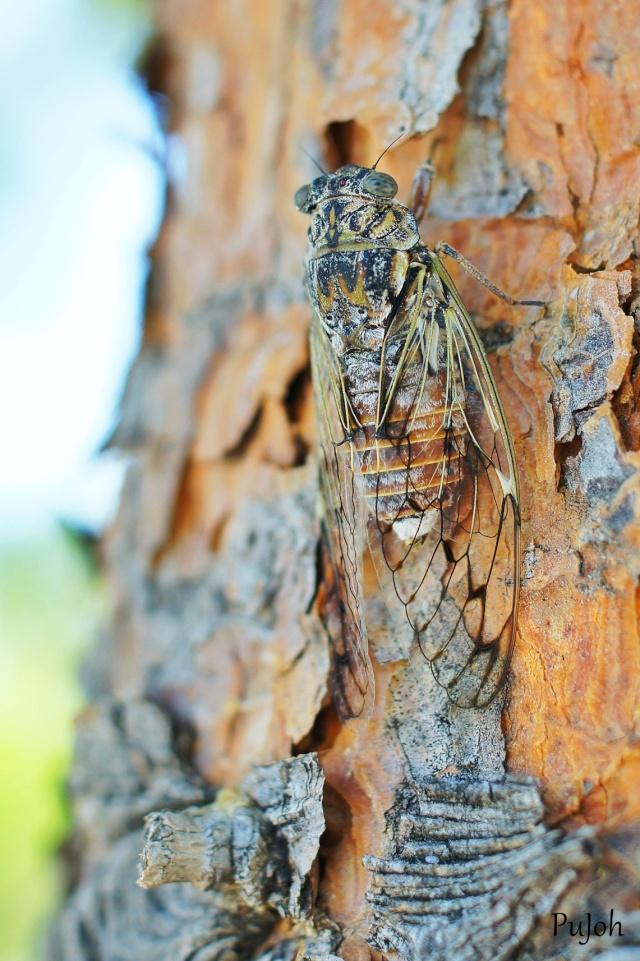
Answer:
(447, 547)
(352, 681)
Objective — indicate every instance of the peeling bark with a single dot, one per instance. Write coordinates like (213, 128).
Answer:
(261, 839)
(474, 868)
(214, 670)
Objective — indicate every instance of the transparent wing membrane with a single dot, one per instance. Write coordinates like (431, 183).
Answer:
(443, 525)
(341, 488)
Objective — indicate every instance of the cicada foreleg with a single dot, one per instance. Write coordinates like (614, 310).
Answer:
(444, 248)
(420, 192)
(418, 202)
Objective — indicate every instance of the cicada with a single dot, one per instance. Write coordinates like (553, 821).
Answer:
(417, 461)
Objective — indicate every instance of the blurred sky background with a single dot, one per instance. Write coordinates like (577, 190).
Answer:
(81, 195)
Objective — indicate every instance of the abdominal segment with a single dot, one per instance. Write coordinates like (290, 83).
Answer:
(418, 498)
(412, 463)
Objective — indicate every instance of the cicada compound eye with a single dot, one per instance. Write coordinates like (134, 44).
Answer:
(301, 196)
(382, 185)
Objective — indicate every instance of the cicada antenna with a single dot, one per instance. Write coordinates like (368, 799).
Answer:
(313, 160)
(399, 137)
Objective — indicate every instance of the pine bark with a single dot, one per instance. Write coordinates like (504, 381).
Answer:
(213, 673)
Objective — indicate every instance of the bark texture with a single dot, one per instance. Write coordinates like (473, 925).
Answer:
(213, 673)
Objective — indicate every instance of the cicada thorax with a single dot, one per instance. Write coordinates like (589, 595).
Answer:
(354, 291)
(351, 222)
(357, 265)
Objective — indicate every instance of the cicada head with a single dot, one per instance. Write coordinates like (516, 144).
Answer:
(348, 181)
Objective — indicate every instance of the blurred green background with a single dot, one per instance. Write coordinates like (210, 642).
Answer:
(50, 604)
(81, 195)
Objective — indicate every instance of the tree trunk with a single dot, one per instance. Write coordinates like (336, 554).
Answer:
(285, 830)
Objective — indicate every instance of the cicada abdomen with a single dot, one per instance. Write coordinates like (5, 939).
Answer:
(416, 457)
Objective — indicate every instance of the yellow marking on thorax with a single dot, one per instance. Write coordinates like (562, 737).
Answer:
(388, 223)
(358, 294)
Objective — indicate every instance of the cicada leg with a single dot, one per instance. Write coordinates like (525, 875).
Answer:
(443, 248)
(420, 192)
